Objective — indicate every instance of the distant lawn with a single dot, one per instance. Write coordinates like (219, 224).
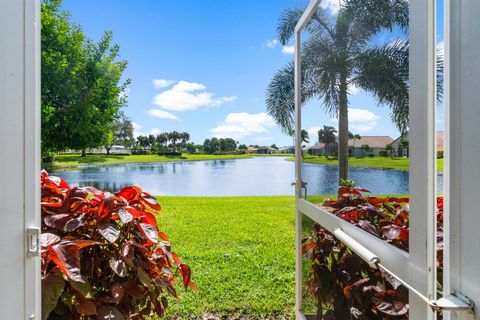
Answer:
(273, 155)
(72, 160)
(242, 254)
(376, 162)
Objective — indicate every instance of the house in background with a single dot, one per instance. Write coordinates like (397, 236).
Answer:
(375, 144)
(400, 145)
(286, 149)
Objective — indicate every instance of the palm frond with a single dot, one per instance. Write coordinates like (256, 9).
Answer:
(280, 96)
(287, 23)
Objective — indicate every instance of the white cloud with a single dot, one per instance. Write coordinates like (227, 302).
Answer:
(332, 5)
(361, 120)
(186, 96)
(184, 86)
(313, 133)
(263, 139)
(288, 49)
(162, 114)
(353, 89)
(239, 125)
(137, 132)
(271, 43)
(162, 83)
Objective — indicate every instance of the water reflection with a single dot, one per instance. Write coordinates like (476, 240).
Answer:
(238, 177)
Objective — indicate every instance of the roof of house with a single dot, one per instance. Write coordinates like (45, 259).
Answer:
(318, 145)
(372, 141)
(440, 135)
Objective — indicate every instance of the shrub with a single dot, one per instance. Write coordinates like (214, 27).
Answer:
(343, 284)
(103, 255)
(383, 153)
(440, 154)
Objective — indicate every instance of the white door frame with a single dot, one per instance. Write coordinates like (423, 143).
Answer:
(20, 158)
(462, 154)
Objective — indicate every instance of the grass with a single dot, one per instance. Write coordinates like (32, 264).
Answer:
(73, 160)
(375, 162)
(273, 155)
(241, 250)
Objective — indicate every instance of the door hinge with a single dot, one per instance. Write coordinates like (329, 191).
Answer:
(33, 241)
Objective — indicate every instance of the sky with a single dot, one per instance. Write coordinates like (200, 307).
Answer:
(203, 66)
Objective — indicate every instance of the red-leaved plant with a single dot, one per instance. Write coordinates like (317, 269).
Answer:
(103, 256)
(344, 285)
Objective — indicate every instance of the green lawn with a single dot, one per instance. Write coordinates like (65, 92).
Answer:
(376, 162)
(72, 160)
(241, 250)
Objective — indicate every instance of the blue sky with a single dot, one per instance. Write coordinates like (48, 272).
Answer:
(203, 66)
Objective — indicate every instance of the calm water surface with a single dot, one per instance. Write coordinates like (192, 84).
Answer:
(260, 176)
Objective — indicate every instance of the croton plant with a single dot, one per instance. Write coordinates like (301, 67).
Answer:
(103, 255)
(344, 286)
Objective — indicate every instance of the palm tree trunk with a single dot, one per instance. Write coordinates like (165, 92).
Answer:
(343, 130)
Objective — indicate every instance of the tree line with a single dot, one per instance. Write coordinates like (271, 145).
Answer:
(83, 89)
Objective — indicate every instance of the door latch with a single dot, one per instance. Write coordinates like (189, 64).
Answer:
(33, 241)
(304, 187)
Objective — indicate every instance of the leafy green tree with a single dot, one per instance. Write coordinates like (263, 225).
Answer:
(207, 146)
(121, 131)
(390, 150)
(214, 145)
(143, 142)
(340, 53)
(274, 146)
(327, 135)
(191, 147)
(82, 90)
(242, 147)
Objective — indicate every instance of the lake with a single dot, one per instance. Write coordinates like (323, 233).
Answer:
(257, 176)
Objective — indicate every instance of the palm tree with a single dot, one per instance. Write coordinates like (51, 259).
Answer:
(185, 137)
(326, 136)
(339, 54)
(305, 136)
(174, 136)
(161, 140)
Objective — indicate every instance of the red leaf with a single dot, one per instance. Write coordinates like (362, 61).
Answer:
(149, 232)
(109, 231)
(151, 202)
(125, 215)
(118, 266)
(186, 274)
(308, 247)
(87, 308)
(394, 232)
(109, 313)
(57, 221)
(80, 243)
(52, 288)
(47, 239)
(66, 256)
(118, 292)
(130, 193)
(390, 302)
(147, 217)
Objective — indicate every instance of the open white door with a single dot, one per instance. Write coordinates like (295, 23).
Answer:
(19, 159)
(416, 269)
